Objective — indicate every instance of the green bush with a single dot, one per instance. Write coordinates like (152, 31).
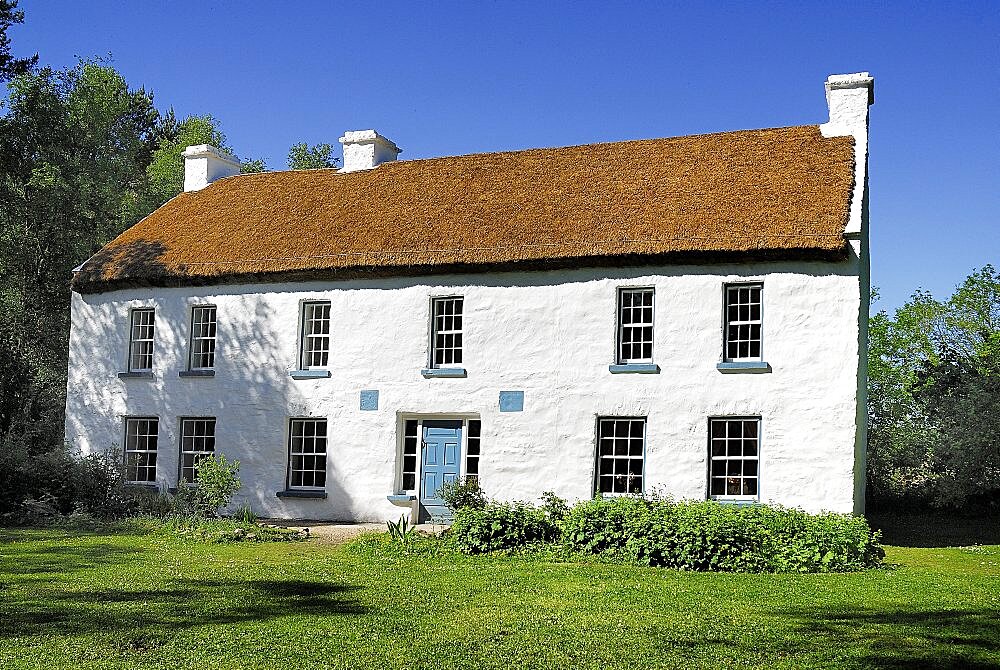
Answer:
(712, 536)
(500, 527)
(462, 493)
(216, 481)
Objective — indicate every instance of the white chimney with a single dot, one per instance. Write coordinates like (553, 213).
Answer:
(204, 164)
(366, 149)
(849, 96)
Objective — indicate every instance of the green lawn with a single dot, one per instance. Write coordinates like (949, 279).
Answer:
(74, 599)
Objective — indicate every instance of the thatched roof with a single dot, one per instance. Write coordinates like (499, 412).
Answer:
(777, 193)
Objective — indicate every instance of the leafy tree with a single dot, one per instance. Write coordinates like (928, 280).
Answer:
(932, 403)
(303, 157)
(10, 66)
(253, 166)
(74, 146)
(166, 169)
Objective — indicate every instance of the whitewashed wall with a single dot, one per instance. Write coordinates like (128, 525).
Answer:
(550, 334)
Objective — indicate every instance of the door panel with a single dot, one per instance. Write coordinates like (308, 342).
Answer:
(440, 460)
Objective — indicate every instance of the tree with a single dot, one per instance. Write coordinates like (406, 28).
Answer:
(10, 66)
(166, 168)
(303, 157)
(934, 370)
(74, 146)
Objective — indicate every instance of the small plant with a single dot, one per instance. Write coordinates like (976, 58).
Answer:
(555, 508)
(217, 480)
(463, 493)
(400, 531)
(246, 515)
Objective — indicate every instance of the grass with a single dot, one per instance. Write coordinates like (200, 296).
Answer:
(87, 600)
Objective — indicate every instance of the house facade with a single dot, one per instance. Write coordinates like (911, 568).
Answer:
(682, 316)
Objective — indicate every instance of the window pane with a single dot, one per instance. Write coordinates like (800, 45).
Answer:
(620, 453)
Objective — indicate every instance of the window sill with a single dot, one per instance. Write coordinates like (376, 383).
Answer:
(309, 374)
(196, 373)
(142, 486)
(635, 368)
(430, 373)
(750, 367)
(401, 500)
(296, 493)
(737, 502)
(135, 375)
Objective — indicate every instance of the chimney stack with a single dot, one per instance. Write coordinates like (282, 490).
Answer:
(849, 96)
(204, 164)
(366, 149)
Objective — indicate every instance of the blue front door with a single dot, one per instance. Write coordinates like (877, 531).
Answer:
(439, 462)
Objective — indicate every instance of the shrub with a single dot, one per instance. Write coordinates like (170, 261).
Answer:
(500, 527)
(554, 507)
(216, 481)
(463, 493)
(712, 536)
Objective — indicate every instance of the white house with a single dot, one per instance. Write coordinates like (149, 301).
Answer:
(683, 315)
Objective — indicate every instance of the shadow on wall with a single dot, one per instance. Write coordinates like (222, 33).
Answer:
(251, 382)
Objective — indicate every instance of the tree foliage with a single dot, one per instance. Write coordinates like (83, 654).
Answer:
(301, 156)
(74, 146)
(934, 384)
(10, 66)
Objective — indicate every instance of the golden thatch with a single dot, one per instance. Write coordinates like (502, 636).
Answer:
(777, 193)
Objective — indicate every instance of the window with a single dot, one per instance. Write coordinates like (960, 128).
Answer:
(446, 332)
(315, 335)
(635, 325)
(743, 322)
(140, 349)
(472, 451)
(307, 454)
(140, 449)
(621, 446)
(197, 441)
(734, 453)
(202, 338)
(410, 453)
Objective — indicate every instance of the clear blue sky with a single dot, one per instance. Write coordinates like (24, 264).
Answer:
(448, 78)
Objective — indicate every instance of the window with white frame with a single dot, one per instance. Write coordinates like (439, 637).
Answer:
(315, 335)
(202, 346)
(140, 347)
(743, 322)
(307, 454)
(446, 331)
(197, 442)
(734, 454)
(635, 325)
(141, 435)
(621, 448)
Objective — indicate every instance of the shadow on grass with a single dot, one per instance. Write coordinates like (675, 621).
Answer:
(935, 530)
(63, 558)
(149, 615)
(913, 639)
